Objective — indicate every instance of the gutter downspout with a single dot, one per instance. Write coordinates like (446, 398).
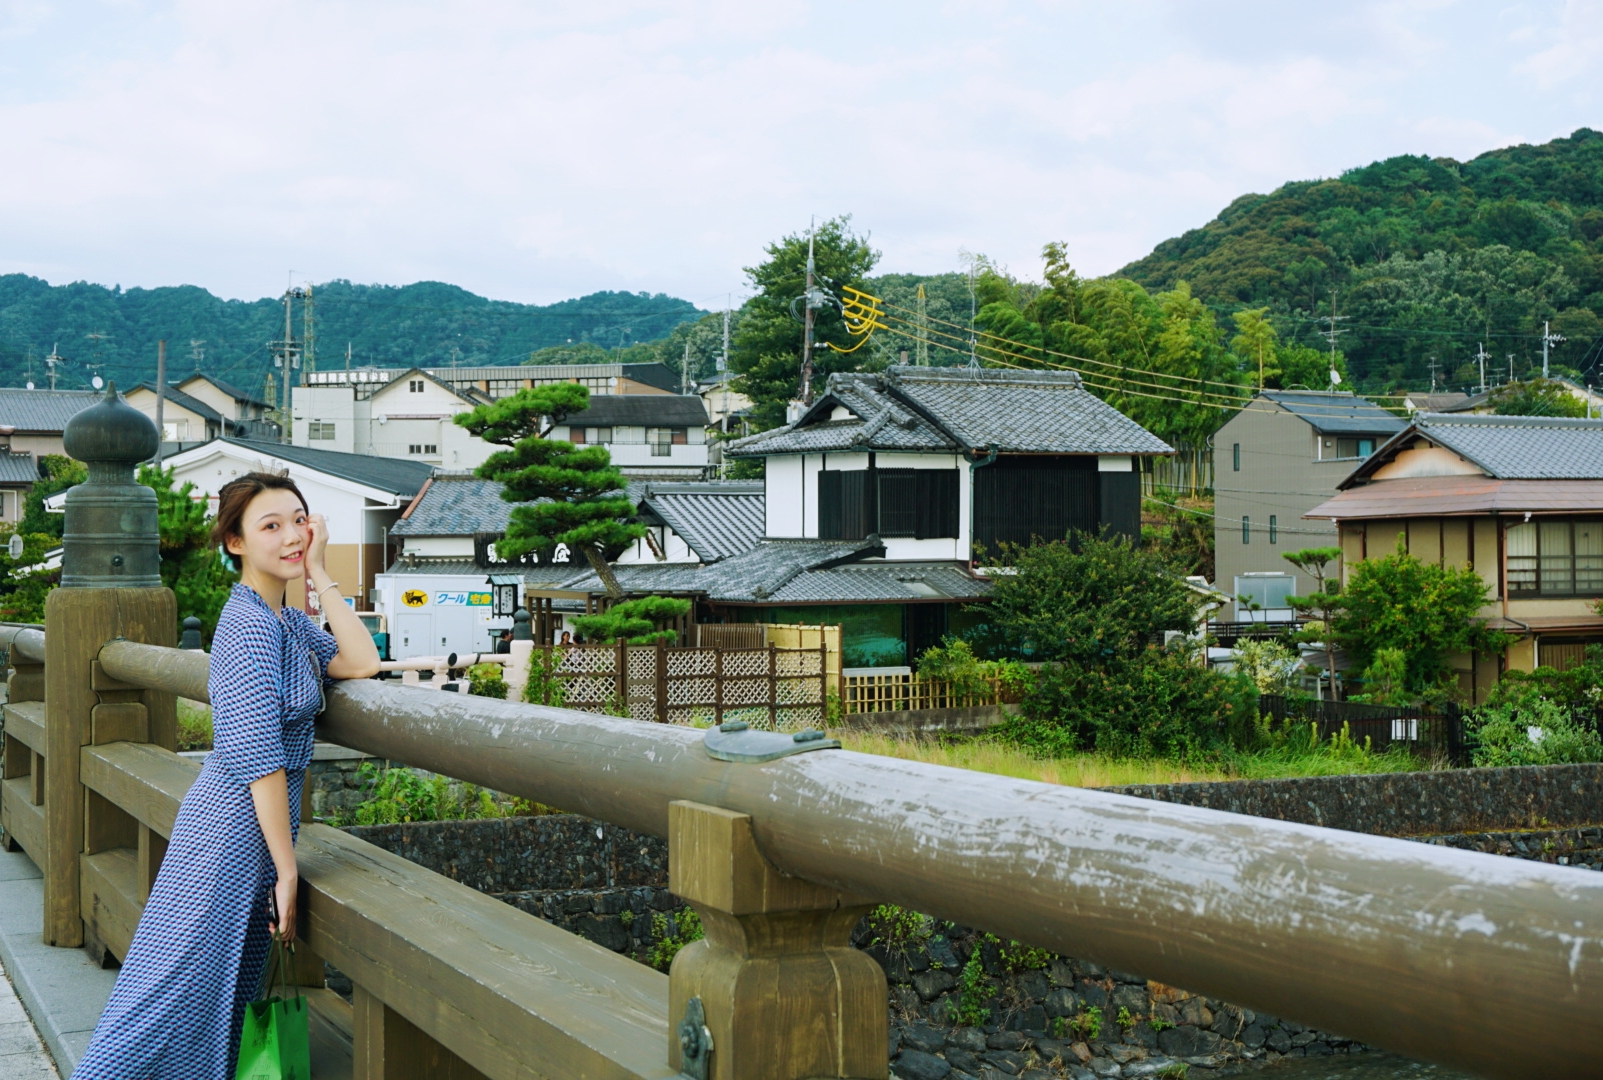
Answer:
(974, 464)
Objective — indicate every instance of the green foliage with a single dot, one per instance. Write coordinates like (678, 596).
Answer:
(398, 795)
(669, 935)
(766, 352)
(1088, 1025)
(1428, 256)
(564, 495)
(898, 930)
(973, 992)
(1089, 601)
(1536, 397)
(194, 725)
(1175, 1070)
(1532, 731)
(1297, 750)
(1580, 688)
(1386, 678)
(636, 622)
(486, 680)
(953, 661)
(1157, 1023)
(1183, 533)
(190, 565)
(57, 473)
(429, 324)
(1018, 958)
(1270, 665)
(545, 687)
(1058, 1027)
(24, 584)
(1426, 611)
(1321, 606)
(1124, 1019)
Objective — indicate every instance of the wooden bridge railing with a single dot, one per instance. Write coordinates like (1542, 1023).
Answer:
(1489, 964)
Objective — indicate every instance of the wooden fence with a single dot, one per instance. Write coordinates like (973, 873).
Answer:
(904, 692)
(1188, 473)
(779, 689)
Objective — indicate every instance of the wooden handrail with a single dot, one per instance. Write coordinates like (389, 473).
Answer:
(26, 641)
(1477, 961)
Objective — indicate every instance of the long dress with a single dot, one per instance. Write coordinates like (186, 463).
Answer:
(198, 955)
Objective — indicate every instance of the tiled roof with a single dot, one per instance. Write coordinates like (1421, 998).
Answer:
(386, 474)
(534, 577)
(1521, 447)
(642, 410)
(457, 506)
(951, 409)
(716, 518)
(193, 404)
(44, 411)
(1336, 413)
(18, 469)
(228, 388)
(797, 571)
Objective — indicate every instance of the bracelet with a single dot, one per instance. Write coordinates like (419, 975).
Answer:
(325, 588)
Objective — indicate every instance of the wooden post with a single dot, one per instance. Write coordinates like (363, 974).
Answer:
(786, 995)
(662, 682)
(77, 623)
(718, 685)
(823, 680)
(773, 687)
(388, 1046)
(621, 662)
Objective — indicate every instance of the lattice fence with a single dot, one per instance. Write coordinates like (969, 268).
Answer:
(900, 693)
(783, 689)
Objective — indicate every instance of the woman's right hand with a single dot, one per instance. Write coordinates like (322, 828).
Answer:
(284, 893)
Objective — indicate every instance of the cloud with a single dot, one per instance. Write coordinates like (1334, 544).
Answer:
(536, 152)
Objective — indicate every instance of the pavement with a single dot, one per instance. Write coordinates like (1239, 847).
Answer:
(61, 991)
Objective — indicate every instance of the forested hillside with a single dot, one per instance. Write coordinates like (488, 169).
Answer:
(1426, 258)
(113, 332)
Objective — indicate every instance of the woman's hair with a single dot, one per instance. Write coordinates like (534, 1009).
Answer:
(236, 496)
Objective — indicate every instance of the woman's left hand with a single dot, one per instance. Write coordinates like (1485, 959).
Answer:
(317, 542)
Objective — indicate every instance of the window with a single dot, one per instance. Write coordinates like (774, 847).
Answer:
(415, 386)
(175, 430)
(598, 434)
(843, 509)
(319, 430)
(425, 449)
(576, 436)
(681, 437)
(1355, 448)
(917, 503)
(1274, 528)
(1246, 530)
(1556, 557)
(661, 440)
(1235, 457)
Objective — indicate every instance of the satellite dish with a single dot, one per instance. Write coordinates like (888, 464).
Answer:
(97, 382)
(30, 384)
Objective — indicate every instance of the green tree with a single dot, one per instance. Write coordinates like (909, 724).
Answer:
(23, 584)
(1255, 343)
(57, 473)
(1427, 611)
(190, 565)
(635, 622)
(1536, 397)
(1322, 605)
(767, 351)
(565, 495)
(1305, 368)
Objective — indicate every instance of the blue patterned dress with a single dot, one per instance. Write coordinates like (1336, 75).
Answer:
(202, 942)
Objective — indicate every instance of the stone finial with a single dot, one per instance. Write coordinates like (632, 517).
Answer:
(191, 635)
(520, 626)
(111, 538)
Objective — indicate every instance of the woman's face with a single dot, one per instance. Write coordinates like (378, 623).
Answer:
(273, 536)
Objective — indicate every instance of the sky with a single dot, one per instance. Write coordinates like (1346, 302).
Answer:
(534, 152)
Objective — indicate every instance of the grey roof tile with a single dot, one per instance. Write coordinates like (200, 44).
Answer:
(950, 409)
(193, 404)
(45, 411)
(716, 518)
(457, 506)
(228, 388)
(18, 469)
(534, 577)
(642, 410)
(386, 474)
(1337, 412)
(1521, 447)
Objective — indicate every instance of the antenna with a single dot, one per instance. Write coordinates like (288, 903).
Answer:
(197, 352)
(1432, 366)
(50, 363)
(1332, 334)
(813, 300)
(684, 370)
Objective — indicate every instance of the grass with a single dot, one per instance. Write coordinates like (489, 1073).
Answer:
(194, 725)
(1295, 755)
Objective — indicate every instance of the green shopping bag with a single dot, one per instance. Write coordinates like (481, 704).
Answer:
(273, 1044)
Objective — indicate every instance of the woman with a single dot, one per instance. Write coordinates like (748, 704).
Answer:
(202, 942)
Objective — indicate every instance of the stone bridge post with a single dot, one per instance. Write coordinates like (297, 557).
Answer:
(110, 587)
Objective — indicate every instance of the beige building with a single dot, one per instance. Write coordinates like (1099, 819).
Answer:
(200, 408)
(1518, 499)
(1285, 452)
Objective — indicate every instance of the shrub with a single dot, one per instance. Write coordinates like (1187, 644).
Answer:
(672, 934)
(898, 930)
(545, 687)
(194, 725)
(973, 991)
(637, 622)
(399, 795)
(1271, 665)
(953, 662)
(485, 680)
(1532, 731)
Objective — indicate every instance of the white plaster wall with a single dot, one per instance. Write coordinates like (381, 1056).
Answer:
(782, 496)
(1115, 463)
(328, 404)
(450, 546)
(432, 400)
(673, 546)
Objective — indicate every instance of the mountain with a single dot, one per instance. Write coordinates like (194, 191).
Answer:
(1428, 259)
(113, 332)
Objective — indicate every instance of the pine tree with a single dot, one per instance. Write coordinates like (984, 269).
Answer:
(564, 494)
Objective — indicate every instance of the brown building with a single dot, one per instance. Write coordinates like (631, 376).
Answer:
(1519, 499)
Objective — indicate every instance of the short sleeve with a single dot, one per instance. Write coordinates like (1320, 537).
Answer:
(247, 709)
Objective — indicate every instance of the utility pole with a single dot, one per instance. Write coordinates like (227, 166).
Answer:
(308, 332)
(811, 300)
(161, 395)
(50, 363)
(973, 315)
(723, 361)
(1510, 367)
(1480, 355)
(347, 356)
(684, 370)
(1548, 338)
(1332, 334)
(197, 352)
(923, 345)
(1432, 366)
(288, 358)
